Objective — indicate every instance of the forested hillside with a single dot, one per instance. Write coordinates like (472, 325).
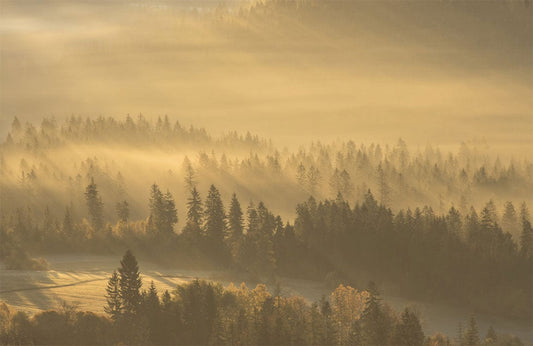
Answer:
(450, 251)
(328, 143)
(49, 165)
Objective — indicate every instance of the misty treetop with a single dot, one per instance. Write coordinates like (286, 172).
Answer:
(45, 175)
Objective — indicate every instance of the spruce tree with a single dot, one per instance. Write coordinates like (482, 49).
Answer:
(408, 331)
(170, 213)
(235, 225)
(192, 232)
(526, 239)
(491, 337)
(123, 211)
(114, 301)
(95, 205)
(215, 222)
(471, 336)
(373, 319)
(194, 207)
(129, 284)
(157, 207)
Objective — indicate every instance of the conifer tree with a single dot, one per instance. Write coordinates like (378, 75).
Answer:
(215, 222)
(471, 336)
(170, 212)
(68, 224)
(491, 337)
(192, 231)
(526, 239)
(408, 331)
(129, 284)
(194, 207)
(157, 208)
(95, 205)
(373, 319)
(114, 301)
(123, 211)
(235, 225)
(162, 211)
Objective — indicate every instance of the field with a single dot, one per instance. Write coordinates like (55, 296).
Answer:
(81, 280)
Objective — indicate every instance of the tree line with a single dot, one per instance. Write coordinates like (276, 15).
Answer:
(467, 259)
(398, 176)
(206, 313)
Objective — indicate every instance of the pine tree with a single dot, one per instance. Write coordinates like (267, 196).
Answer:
(162, 211)
(235, 225)
(526, 239)
(114, 301)
(192, 231)
(68, 224)
(491, 337)
(383, 186)
(373, 319)
(152, 312)
(123, 211)
(510, 219)
(129, 284)
(157, 208)
(170, 213)
(408, 331)
(95, 205)
(215, 222)
(194, 207)
(471, 337)
(190, 174)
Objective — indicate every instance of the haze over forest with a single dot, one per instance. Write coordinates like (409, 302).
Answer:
(379, 145)
(438, 72)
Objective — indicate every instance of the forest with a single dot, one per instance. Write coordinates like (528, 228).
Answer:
(477, 257)
(377, 153)
(206, 313)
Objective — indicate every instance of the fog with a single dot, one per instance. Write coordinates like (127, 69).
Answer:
(336, 142)
(429, 72)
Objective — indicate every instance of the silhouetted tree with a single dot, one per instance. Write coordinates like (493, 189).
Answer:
(215, 223)
(113, 298)
(408, 331)
(129, 285)
(95, 205)
(123, 211)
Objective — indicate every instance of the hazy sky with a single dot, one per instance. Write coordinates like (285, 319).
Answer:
(439, 72)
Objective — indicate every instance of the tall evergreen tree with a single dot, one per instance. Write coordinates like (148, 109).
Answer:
(235, 225)
(190, 174)
(162, 211)
(157, 208)
(170, 212)
(95, 205)
(129, 284)
(194, 207)
(192, 231)
(215, 221)
(123, 211)
(373, 321)
(113, 298)
(471, 336)
(408, 331)
(68, 224)
(526, 239)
